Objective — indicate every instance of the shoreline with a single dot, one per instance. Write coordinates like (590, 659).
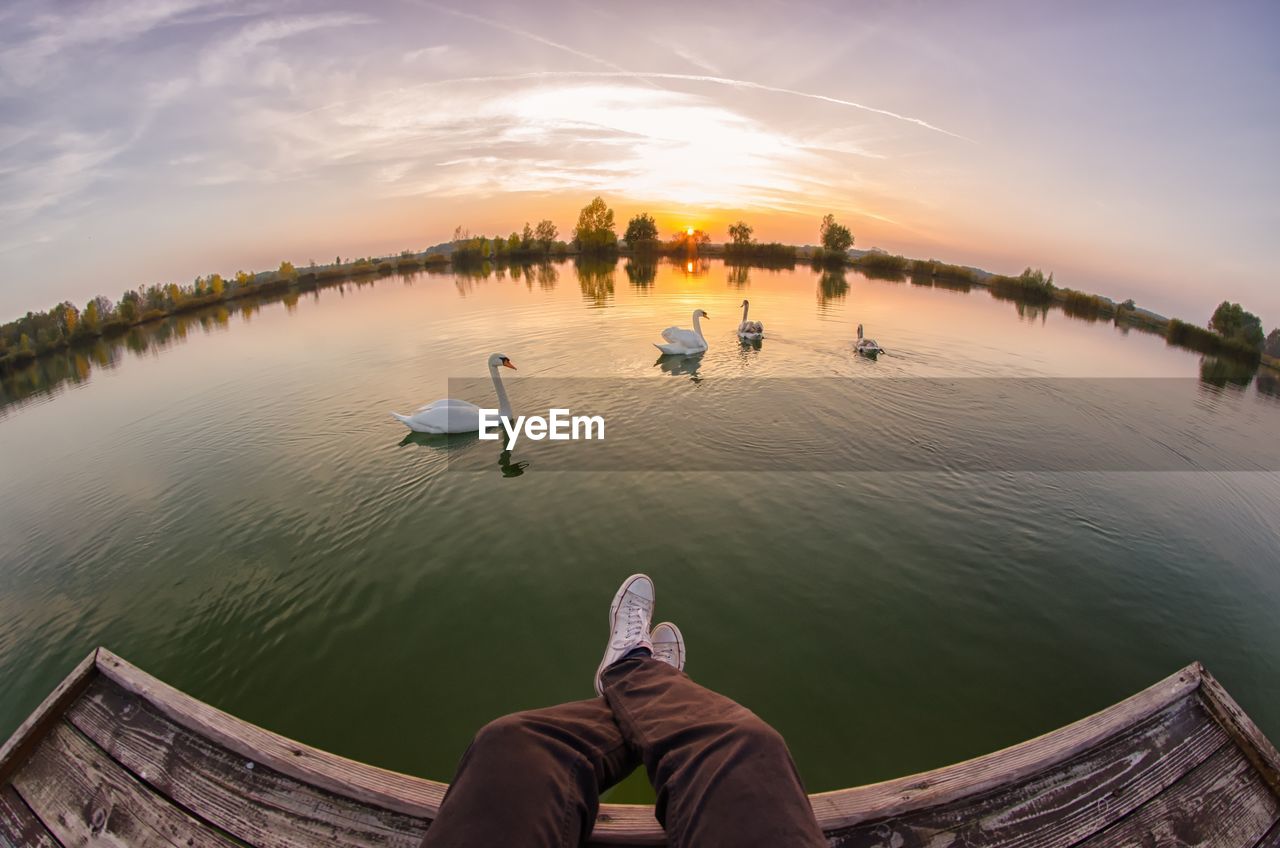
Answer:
(871, 264)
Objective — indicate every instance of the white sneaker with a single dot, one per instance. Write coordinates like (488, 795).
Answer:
(668, 645)
(629, 617)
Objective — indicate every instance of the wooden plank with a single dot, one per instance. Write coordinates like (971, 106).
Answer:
(1272, 839)
(28, 735)
(1256, 746)
(1069, 802)
(847, 807)
(247, 800)
(398, 792)
(635, 825)
(19, 828)
(83, 797)
(1221, 804)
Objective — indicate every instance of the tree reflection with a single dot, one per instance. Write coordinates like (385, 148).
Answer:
(641, 272)
(832, 285)
(595, 278)
(1221, 373)
(739, 276)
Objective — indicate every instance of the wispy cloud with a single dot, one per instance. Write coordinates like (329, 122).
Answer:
(222, 60)
(522, 33)
(713, 80)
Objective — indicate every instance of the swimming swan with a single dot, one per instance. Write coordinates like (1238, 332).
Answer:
(451, 415)
(749, 331)
(867, 346)
(684, 342)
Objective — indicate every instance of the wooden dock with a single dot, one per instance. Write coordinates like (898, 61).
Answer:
(115, 757)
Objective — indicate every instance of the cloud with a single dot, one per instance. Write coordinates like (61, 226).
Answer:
(221, 62)
(705, 78)
(51, 36)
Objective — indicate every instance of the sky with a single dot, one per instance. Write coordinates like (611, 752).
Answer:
(1129, 147)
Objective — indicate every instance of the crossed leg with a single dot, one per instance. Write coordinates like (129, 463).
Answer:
(722, 775)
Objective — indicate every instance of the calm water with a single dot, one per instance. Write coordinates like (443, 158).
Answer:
(229, 506)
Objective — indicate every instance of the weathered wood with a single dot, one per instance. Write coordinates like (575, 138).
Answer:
(30, 732)
(1066, 803)
(847, 807)
(1256, 746)
(244, 798)
(19, 828)
(1272, 839)
(1223, 803)
(83, 797)
(390, 790)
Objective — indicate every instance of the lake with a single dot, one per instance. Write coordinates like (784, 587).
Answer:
(224, 500)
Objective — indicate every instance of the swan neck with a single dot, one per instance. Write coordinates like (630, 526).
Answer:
(504, 404)
(697, 326)
(745, 307)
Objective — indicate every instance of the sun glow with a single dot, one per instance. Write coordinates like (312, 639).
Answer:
(688, 231)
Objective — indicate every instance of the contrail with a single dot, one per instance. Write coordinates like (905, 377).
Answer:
(732, 83)
(523, 33)
(621, 72)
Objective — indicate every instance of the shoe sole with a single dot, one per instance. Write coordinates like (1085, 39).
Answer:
(613, 618)
(679, 641)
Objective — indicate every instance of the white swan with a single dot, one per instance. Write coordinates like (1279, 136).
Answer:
(451, 415)
(683, 342)
(867, 346)
(749, 331)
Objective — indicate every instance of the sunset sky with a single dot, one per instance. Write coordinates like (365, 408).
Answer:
(1130, 147)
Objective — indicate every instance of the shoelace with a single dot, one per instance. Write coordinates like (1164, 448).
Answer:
(635, 613)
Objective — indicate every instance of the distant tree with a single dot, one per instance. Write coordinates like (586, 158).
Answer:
(641, 229)
(527, 236)
(90, 317)
(1272, 347)
(1232, 322)
(287, 271)
(688, 241)
(243, 280)
(216, 285)
(740, 234)
(836, 238)
(546, 233)
(128, 308)
(514, 242)
(595, 232)
(70, 317)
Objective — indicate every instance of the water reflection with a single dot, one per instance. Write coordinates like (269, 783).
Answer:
(1222, 373)
(832, 286)
(681, 366)
(595, 278)
(509, 468)
(641, 272)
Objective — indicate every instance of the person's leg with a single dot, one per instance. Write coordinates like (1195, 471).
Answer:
(723, 776)
(534, 779)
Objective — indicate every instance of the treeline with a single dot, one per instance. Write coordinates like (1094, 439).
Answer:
(1231, 330)
(66, 325)
(533, 244)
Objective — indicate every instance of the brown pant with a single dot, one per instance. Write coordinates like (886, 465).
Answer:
(722, 775)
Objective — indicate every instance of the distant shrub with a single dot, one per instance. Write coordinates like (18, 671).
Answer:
(1089, 306)
(941, 270)
(385, 267)
(885, 263)
(1031, 286)
(1186, 335)
(772, 254)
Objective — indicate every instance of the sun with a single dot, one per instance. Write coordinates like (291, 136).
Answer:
(688, 231)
